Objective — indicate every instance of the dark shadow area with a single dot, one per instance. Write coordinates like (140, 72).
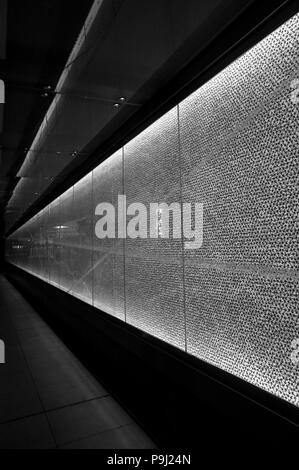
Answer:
(48, 398)
(180, 401)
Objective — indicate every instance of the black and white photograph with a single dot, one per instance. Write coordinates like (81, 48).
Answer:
(149, 229)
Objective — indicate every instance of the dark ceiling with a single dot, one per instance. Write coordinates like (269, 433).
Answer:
(134, 49)
(38, 44)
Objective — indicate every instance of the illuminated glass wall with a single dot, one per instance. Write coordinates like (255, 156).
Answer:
(232, 145)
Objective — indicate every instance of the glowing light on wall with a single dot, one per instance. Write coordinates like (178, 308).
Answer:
(233, 145)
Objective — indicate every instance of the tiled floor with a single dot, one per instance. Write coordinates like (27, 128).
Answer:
(48, 400)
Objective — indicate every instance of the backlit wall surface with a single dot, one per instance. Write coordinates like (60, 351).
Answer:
(233, 146)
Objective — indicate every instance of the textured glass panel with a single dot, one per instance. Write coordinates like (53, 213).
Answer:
(154, 298)
(22, 246)
(53, 240)
(239, 142)
(80, 257)
(28, 261)
(154, 273)
(108, 259)
(232, 146)
(44, 246)
(11, 249)
(34, 229)
(67, 235)
(244, 323)
(37, 245)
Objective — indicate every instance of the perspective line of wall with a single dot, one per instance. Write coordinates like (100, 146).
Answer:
(232, 146)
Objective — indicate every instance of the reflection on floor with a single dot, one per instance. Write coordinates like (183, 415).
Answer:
(48, 399)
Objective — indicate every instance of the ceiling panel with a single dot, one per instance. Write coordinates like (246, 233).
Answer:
(37, 48)
(120, 51)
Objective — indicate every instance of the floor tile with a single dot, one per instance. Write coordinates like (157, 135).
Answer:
(37, 331)
(47, 345)
(51, 369)
(14, 361)
(81, 421)
(24, 322)
(69, 392)
(29, 433)
(125, 437)
(18, 396)
(42, 382)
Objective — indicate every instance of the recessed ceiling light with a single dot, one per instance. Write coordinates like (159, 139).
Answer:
(122, 99)
(116, 105)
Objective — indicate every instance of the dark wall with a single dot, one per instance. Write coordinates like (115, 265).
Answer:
(2, 241)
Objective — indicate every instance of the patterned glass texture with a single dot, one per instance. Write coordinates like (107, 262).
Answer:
(232, 146)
